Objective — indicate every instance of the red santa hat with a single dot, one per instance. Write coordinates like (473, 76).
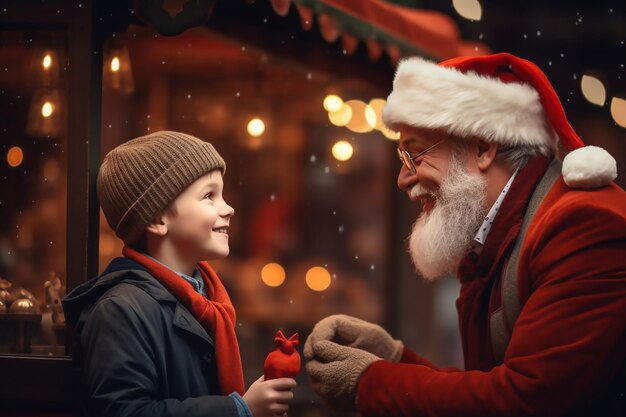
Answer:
(501, 98)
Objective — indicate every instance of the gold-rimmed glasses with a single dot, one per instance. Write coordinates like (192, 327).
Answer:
(409, 159)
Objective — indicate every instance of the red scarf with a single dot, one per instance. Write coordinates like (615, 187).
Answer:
(215, 313)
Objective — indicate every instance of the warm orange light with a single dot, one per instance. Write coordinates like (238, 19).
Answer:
(47, 61)
(15, 156)
(342, 150)
(273, 274)
(376, 105)
(332, 103)
(47, 109)
(618, 111)
(358, 122)
(115, 64)
(256, 127)
(342, 116)
(318, 278)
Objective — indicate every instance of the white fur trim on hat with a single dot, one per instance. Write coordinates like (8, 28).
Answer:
(467, 104)
(588, 168)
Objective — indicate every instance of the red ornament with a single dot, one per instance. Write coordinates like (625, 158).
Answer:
(284, 361)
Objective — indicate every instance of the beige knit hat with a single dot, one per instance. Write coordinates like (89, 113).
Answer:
(140, 178)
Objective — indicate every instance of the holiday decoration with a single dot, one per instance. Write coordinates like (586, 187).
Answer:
(284, 361)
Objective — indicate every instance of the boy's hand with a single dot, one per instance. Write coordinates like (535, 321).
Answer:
(269, 398)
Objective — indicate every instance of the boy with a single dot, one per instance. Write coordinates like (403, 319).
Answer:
(155, 333)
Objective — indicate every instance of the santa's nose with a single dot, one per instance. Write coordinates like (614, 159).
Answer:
(406, 179)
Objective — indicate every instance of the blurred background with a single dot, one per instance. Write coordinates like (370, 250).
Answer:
(290, 93)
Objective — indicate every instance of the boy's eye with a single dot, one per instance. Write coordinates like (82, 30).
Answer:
(209, 196)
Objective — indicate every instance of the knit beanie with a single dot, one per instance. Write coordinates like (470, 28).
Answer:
(140, 178)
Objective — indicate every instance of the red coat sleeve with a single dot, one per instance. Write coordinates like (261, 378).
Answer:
(567, 342)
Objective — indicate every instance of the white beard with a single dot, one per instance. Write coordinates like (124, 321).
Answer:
(442, 237)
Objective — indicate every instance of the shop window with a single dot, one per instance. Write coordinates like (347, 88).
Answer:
(33, 188)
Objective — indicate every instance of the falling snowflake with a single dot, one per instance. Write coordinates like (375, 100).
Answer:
(313, 158)
(341, 229)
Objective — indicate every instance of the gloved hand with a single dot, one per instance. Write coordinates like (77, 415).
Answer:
(335, 371)
(356, 333)
(269, 398)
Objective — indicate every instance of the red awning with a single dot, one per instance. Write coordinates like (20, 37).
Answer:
(384, 27)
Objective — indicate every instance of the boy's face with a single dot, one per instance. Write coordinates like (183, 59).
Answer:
(197, 220)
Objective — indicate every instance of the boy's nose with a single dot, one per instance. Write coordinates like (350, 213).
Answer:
(228, 211)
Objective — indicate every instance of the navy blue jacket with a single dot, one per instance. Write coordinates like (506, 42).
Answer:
(139, 351)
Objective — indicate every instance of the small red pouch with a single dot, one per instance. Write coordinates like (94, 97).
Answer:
(284, 361)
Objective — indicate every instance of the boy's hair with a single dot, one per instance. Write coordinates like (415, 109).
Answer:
(140, 178)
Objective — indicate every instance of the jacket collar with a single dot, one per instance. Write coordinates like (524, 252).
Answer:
(506, 225)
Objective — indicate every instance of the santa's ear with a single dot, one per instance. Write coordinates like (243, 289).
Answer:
(158, 226)
(485, 154)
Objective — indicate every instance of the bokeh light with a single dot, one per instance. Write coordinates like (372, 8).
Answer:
(256, 127)
(318, 278)
(342, 150)
(47, 109)
(593, 90)
(469, 9)
(342, 116)
(618, 111)
(115, 64)
(47, 61)
(273, 274)
(15, 156)
(358, 122)
(332, 103)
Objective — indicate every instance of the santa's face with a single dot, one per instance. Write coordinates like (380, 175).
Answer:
(453, 199)
(431, 166)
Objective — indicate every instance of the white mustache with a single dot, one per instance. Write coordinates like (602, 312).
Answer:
(418, 190)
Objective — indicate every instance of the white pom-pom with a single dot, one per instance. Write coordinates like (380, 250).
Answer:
(588, 168)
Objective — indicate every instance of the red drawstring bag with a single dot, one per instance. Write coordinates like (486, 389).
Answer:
(284, 361)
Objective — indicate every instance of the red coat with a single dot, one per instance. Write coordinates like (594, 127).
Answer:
(570, 337)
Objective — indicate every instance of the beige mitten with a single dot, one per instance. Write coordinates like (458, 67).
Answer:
(335, 371)
(356, 333)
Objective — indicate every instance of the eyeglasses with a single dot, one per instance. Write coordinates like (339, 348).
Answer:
(409, 160)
